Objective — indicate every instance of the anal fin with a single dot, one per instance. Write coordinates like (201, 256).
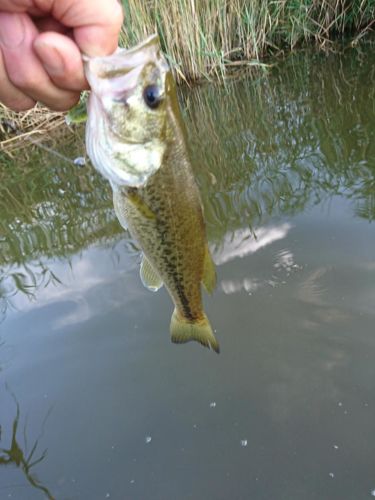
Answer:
(149, 276)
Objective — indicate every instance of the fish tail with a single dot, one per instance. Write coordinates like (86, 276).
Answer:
(183, 330)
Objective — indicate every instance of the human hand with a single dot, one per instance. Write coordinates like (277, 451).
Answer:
(41, 42)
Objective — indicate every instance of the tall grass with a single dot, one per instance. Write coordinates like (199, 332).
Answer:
(203, 38)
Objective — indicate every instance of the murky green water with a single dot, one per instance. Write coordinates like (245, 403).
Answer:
(95, 402)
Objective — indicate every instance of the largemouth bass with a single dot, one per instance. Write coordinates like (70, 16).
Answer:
(135, 137)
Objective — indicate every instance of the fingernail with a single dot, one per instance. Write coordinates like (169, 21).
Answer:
(12, 30)
(50, 58)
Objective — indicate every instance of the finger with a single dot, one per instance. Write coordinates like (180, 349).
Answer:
(62, 60)
(23, 67)
(16, 5)
(10, 95)
(96, 30)
(20, 6)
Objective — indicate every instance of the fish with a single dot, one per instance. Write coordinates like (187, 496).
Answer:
(136, 138)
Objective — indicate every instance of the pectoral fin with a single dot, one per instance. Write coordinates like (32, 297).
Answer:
(209, 272)
(120, 209)
(150, 278)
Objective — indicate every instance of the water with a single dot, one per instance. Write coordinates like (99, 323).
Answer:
(107, 406)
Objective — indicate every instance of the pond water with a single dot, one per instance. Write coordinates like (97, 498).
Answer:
(96, 402)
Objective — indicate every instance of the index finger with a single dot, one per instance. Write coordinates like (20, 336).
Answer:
(96, 25)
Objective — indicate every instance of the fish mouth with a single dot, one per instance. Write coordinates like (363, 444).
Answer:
(114, 78)
(117, 74)
(122, 61)
(152, 40)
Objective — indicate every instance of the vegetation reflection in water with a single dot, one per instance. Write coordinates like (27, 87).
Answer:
(274, 146)
(286, 142)
(19, 455)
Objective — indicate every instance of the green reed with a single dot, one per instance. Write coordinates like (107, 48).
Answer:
(204, 38)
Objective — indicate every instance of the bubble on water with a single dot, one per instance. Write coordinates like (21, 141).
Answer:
(285, 261)
(195, 426)
(213, 404)
(148, 439)
(132, 481)
(339, 403)
(335, 447)
(80, 161)
(373, 492)
(331, 474)
(243, 442)
(108, 495)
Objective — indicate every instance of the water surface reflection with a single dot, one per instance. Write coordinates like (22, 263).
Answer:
(22, 456)
(287, 172)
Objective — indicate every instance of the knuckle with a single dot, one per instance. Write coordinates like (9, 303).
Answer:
(25, 81)
(19, 104)
(64, 103)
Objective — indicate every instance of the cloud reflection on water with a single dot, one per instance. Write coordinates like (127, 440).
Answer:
(91, 285)
(243, 242)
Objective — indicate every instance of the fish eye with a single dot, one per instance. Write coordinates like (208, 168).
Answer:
(151, 96)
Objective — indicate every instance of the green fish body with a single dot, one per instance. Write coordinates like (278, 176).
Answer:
(156, 199)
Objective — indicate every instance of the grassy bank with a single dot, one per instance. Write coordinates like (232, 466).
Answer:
(206, 39)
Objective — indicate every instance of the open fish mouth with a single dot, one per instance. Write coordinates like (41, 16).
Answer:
(122, 62)
(123, 134)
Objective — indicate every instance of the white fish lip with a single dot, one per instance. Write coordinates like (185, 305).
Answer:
(98, 70)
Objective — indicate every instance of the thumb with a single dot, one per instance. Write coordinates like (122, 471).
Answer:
(96, 25)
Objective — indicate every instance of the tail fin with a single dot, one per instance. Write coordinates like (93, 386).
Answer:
(183, 331)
